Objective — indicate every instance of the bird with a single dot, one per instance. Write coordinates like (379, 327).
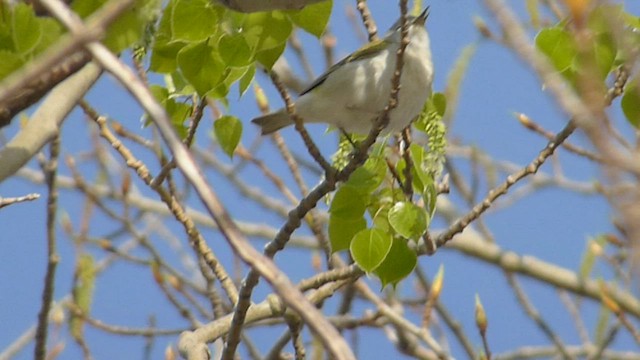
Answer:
(351, 94)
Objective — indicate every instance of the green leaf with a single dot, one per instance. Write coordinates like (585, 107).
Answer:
(10, 62)
(159, 92)
(439, 101)
(269, 57)
(246, 79)
(86, 7)
(342, 230)
(348, 203)
(178, 112)
(630, 103)
(313, 18)
(164, 57)
(51, 31)
(130, 25)
(603, 16)
(368, 177)
(605, 54)
(234, 50)
(178, 85)
(558, 45)
(193, 20)
(6, 32)
(430, 196)
(408, 220)
(26, 29)
(201, 66)
(398, 264)
(266, 30)
(369, 248)
(418, 155)
(228, 130)
(380, 218)
(230, 76)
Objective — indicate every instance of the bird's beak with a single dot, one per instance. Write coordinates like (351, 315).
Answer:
(422, 18)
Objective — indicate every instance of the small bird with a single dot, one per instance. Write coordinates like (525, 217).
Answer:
(353, 93)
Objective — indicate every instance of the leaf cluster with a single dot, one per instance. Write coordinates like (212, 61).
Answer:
(24, 35)
(204, 48)
(373, 218)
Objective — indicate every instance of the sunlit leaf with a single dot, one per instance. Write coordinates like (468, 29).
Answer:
(348, 203)
(178, 112)
(269, 57)
(369, 176)
(10, 62)
(369, 248)
(228, 131)
(246, 79)
(313, 18)
(234, 50)
(342, 230)
(408, 220)
(630, 103)
(201, 66)
(193, 20)
(26, 29)
(398, 264)
(266, 30)
(558, 45)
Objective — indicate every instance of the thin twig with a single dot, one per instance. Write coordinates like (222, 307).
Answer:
(312, 148)
(537, 128)
(51, 170)
(535, 315)
(502, 189)
(367, 20)
(452, 323)
(15, 200)
(408, 162)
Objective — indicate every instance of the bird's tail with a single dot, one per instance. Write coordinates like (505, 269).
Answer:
(273, 122)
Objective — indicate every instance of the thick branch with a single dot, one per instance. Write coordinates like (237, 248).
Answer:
(45, 123)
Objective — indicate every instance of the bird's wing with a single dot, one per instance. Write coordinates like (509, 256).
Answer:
(367, 51)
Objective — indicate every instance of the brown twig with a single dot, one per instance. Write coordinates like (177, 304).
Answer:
(15, 200)
(502, 189)
(452, 323)
(50, 169)
(196, 239)
(408, 162)
(531, 311)
(367, 20)
(312, 148)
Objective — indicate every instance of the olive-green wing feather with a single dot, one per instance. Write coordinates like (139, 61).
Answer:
(367, 51)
